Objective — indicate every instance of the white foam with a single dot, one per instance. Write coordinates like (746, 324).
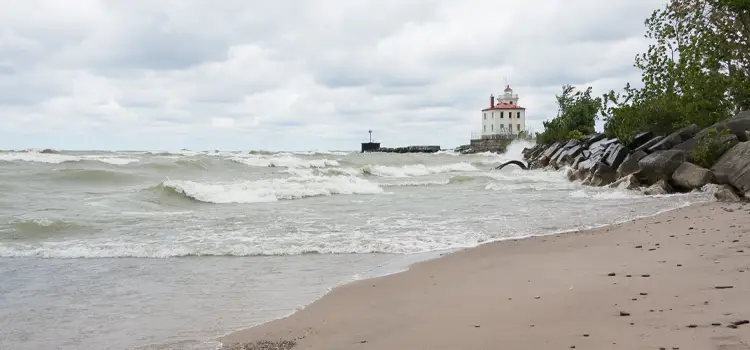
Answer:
(416, 169)
(272, 190)
(54, 158)
(283, 161)
(416, 183)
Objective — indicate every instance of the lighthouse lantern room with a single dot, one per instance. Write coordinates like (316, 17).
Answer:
(504, 116)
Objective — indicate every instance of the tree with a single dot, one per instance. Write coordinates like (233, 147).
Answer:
(695, 72)
(576, 116)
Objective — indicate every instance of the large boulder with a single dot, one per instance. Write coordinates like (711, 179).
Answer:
(555, 159)
(616, 154)
(629, 182)
(571, 153)
(547, 154)
(644, 147)
(689, 176)
(578, 159)
(659, 165)
(733, 167)
(737, 125)
(675, 138)
(726, 194)
(604, 175)
(630, 164)
(640, 139)
(591, 139)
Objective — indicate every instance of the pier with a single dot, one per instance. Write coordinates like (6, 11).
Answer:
(375, 147)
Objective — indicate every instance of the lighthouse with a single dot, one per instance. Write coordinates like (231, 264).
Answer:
(504, 117)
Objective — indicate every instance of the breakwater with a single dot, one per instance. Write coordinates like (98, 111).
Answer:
(375, 147)
(656, 164)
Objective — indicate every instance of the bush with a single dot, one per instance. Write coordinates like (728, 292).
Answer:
(575, 135)
(711, 147)
(576, 117)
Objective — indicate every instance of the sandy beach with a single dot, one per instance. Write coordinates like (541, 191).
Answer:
(678, 280)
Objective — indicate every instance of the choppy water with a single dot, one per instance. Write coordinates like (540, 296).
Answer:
(168, 250)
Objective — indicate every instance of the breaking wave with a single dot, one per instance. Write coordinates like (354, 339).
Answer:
(271, 190)
(415, 169)
(57, 158)
(39, 227)
(285, 161)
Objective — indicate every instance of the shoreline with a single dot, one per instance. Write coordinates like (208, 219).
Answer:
(321, 324)
(442, 253)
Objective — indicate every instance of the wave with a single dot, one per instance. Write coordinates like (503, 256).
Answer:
(34, 228)
(415, 169)
(90, 175)
(270, 190)
(459, 179)
(285, 161)
(56, 158)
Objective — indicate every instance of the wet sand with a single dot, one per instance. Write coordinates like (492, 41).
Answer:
(679, 280)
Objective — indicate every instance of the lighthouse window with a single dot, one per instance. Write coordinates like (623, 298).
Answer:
(485, 116)
(518, 126)
(492, 127)
(484, 127)
(518, 114)
(502, 114)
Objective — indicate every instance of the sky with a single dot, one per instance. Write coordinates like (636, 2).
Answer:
(297, 74)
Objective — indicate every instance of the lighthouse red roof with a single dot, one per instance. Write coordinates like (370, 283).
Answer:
(502, 105)
(508, 88)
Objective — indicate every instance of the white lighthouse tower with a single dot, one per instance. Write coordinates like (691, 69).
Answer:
(504, 117)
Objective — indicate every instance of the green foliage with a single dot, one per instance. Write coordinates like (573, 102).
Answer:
(711, 147)
(695, 72)
(575, 135)
(576, 116)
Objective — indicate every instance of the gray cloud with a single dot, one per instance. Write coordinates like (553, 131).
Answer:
(250, 74)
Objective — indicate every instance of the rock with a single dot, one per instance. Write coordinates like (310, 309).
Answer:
(630, 164)
(689, 176)
(571, 153)
(724, 287)
(629, 182)
(591, 139)
(659, 165)
(604, 175)
(726, 193)
(675, 138)
(616, 154)
(555, 159)
(640, 139)
(644, 147)
(736, 125)
(571, 174)
(733, 167)
(547, 154)
(602, 145)
(623, 313)
(661, 187)
(577, 161)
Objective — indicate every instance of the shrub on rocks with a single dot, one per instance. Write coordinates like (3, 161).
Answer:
(711, 147)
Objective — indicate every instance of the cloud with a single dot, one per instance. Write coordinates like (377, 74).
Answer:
(312, 74)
